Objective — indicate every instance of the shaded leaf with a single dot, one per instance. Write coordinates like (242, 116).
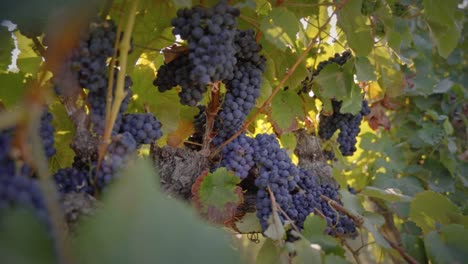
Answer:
(390, 194)
(354, 25)
(450, 245)
(156, 231)
(286, 107)
(280, 28)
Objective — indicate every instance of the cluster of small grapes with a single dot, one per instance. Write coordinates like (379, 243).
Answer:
(244, 89)
(17, 187)
(238, 156)
(339, 59)
(177, 72)
(210, 34)
(277, 174)
(347, 123)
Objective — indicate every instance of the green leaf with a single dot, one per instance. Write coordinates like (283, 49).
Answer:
(275, 229)
(182, 3)
(28, 61)
(286, 107)
(353, 103)
(390, 194)
(333, 82)
(6, 48)
(269, 253)
(355, 26)
(219, 195)
(414, 245)
(13, 88)
(443, 86)
(280, 28)
(429, 208)
(24, 239)
(314, 232)
(334, 259)
(249, 224)
(306, 252)
(443, 24)
(364, 70)
(450, 245)
(372, 222)
(138, 224)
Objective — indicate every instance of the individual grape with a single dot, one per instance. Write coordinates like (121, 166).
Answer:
(177, 72)
(144, 128)
(73, 180)
(210, 34)
(117, 154)
(238, 156)
(46, 131)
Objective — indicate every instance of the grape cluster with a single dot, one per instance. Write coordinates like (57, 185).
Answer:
(117, 154)
(87, 63)
(210, 34)
(22, 191)
(177, 72)
(144, 128)
(339, 59)
(338, 223)
(276, 173)
(347, 123)
(238, 156)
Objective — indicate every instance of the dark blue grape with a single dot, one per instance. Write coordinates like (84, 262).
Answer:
(144, 128)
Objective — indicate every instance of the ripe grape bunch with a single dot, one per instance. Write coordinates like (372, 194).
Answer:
(210, 34)
(347, 123)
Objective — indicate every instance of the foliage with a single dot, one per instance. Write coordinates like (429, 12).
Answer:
(405, 187)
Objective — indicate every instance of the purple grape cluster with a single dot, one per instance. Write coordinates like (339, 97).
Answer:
(339, 59)
(117, 154)
(177, 72)
(86, 65)
(144, 128)
(210, 34)
(338, 223)
(238, 156)
(276, 173)
(22, 191)
(348, 125)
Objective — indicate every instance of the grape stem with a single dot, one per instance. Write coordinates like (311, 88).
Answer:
(282, 82)
(211, 113)
(124, 47)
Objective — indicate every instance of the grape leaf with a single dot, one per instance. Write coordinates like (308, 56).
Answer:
(280, 28)
(218, 195)
(24, 239)
(415, 247)
(429, 208)
(28, 61)
(286, 107)
(333, 82)
(372, 222)
(313, 231)
(364, 70)
(269, 253)
(449, 245)
(13, 88)
(157, 231)
(442, 19)
(354, 25)
(306, 252)
(390, 194)
(248, 224)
